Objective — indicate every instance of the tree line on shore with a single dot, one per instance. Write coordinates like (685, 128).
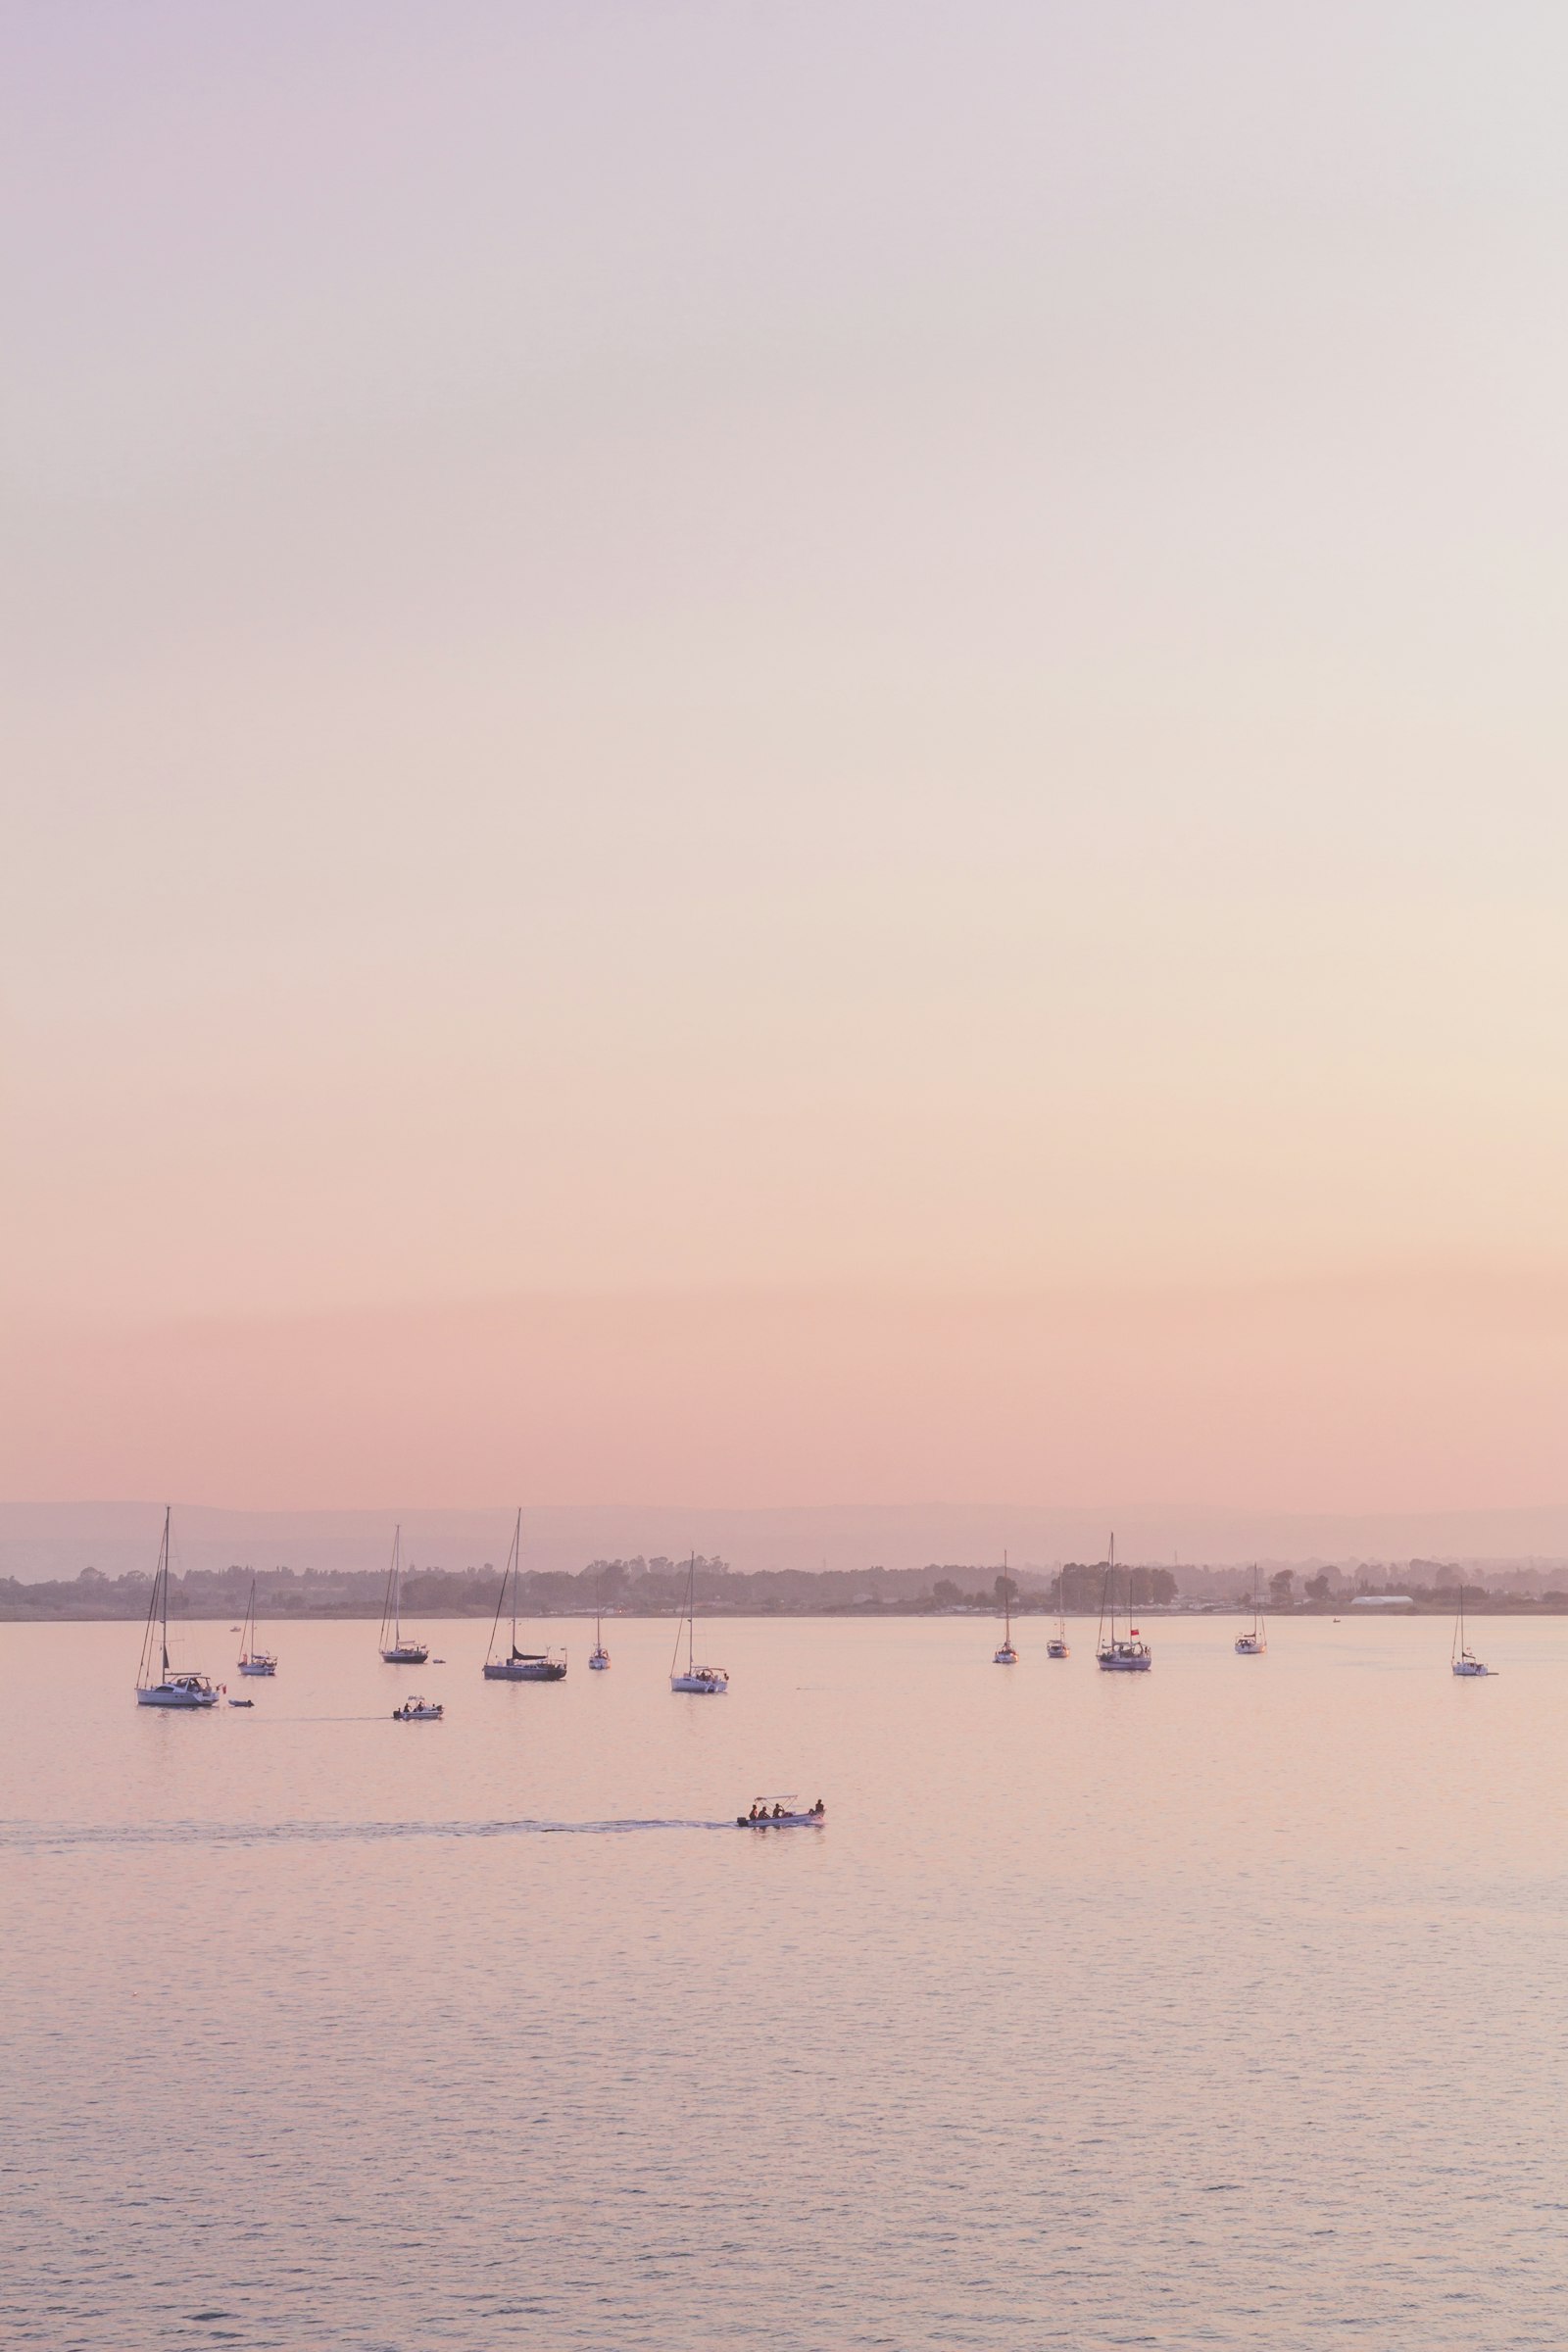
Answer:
(656, 1587)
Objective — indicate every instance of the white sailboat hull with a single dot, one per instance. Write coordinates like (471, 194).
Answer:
(175, 1694)
(1470, 1667)
(1057, 1650)
(1114, 1662)
(702, 1685)
(526, 1670)
(258, 1665)
(1251, 1646)
(599, 1663)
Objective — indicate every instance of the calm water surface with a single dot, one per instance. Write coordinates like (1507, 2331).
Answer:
(1221, 2007)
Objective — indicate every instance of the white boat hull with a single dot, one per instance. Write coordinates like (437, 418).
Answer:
(1248, 1645)
(417, 1714)
(258, 1665)
(1470, 1668)
(1111, 1664)
(599, 1663)
(702, 1685)
(526, 1670)
(410, 1654)
(165, 1695)
(781, 1821)
(1057, 1650)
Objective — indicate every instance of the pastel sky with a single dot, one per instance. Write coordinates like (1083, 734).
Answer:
(784, 754)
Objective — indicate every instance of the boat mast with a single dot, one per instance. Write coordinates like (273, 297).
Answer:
(517, 1571)
(168, 1507)
(691, 1609)
(1006, 1605)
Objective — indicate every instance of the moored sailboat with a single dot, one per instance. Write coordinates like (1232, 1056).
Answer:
(1007, 1655)
(395, 1649)
(171, 1689)
(519, 1665)
(703, 1682)
(600, 1660)
(252, 1659)
(1463, 1660)
(1125, 1654)
(1056, 1646)
(1256, 1644)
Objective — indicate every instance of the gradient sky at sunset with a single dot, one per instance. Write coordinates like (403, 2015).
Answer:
(768, 755)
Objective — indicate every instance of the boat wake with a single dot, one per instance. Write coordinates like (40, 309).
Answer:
(41, 1837)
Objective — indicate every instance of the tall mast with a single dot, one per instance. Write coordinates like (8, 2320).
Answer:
(168, 1507)
(691, 1609)
(1006, 1605)
(517, 1571)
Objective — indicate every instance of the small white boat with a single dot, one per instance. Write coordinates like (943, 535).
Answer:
(170, 1690)
(519, 1665)
(252, 1659)
(417, 1710)
(1118, 1653)
(1256, 1644)
(781, 1815)
(702, 1681)
(1464, 1661)
(396, 1650)
(1007, 1655)
(599, 1662)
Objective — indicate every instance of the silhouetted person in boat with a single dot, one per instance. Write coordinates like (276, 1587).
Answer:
(819, 1807)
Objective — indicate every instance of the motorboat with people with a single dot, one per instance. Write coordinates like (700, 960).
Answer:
(518, 1665)
(1007, 1655)
(1256, 1644)
(1118, 1653)
(172, 1688)
(702, 1681)
(418, 1710)
(599, 1661)
(782, 1814)
(253, 1659)
(1464, 1661)
(398, 1648)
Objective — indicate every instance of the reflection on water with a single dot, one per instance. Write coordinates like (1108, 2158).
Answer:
(1216, 2008)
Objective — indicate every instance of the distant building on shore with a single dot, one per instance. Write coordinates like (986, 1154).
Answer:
(1383, 1601)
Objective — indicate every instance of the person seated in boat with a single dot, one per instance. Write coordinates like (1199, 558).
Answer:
(778, 1812)
(819, 1807)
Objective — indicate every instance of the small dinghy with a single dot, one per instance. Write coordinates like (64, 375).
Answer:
(417, 1710)
(242, 1702)
(781, 1815)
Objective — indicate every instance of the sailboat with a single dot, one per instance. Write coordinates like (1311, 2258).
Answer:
(519, 1665)
(1056, 1646)
(707, 1682)
(395, 1650)
(1256, 1644)
(1127, 1655)
(170, 1690)
(1464, 1661)
(253, 1660)
(1007, 1655)
(600, 1661)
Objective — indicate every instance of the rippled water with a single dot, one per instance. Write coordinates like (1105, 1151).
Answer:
(1221, 2007)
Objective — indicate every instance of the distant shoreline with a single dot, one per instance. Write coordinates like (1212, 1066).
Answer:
(1504, 1605)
